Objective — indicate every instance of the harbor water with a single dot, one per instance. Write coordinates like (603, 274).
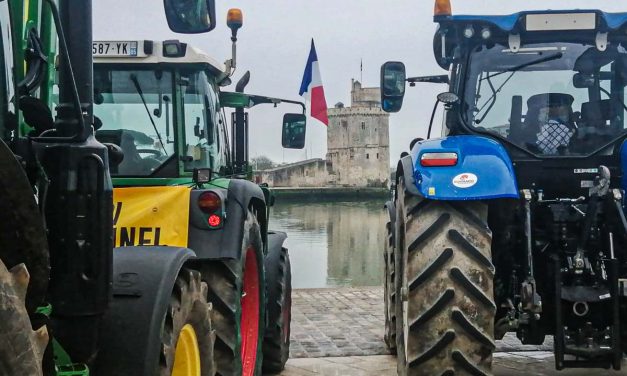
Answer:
(333, 242)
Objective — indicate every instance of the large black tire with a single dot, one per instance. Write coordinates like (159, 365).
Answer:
(389, 290)
(225, 280)
(447, 311)
(188, 306)
(276, 342)
(22, 230)
(21, 348)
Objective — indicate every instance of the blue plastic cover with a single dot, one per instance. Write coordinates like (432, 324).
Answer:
(508, 22)
(483, 171)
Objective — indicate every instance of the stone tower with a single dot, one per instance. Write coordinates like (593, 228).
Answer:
(358, 140)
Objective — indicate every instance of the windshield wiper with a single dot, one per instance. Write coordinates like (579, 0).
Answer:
(492, 100)
(152, 121)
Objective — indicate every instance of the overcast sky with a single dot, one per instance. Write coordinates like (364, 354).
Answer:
(274, 44)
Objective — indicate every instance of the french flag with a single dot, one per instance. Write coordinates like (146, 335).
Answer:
(311, 88)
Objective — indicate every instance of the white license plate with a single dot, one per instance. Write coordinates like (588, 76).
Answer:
(115, 49)
(561, 21)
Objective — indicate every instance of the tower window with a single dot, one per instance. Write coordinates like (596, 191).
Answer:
(344, 123)
(363, 125)
(377, 155)
(367, 156)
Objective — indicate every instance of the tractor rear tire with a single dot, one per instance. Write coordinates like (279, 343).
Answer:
(22, 230)
(389, 290)
(21, 348)
(188, 336)
(276, 342)
(237, 292)
(447, 310)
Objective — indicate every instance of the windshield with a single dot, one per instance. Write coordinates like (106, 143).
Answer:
(135, 107)
(551, 99)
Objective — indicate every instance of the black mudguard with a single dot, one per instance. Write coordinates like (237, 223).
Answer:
(276, 240)
(390, 208)
(226, 243)
(405, 168)
(143, 278)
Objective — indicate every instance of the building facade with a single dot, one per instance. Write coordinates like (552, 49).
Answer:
(358, 148)
(358, 140)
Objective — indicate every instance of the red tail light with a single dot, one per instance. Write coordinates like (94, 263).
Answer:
(209, 202)
(438, 159)
(214, 220)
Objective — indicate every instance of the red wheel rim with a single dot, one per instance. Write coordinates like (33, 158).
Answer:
(249, 323)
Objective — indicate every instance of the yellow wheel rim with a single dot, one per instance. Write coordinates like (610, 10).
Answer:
(187, 355)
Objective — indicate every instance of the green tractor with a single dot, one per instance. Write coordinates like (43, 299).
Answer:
(174, 285)
(184, 182)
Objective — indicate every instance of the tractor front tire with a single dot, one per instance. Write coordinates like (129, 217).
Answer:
(447, 307)
(188, 338)
(389, 290)
(21, 348)
(237, 292)
(276, 342)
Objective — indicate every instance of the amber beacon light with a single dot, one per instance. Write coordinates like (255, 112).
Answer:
(234, 18)
(442, 8)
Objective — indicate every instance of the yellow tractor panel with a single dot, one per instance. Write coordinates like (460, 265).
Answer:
(145, 216)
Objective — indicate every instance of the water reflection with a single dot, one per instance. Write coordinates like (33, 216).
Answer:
(335, 243)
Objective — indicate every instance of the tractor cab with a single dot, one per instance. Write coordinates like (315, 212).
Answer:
(161, 103)
(549, 86)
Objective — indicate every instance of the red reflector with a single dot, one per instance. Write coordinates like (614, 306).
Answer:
(214, 220)
(209, 202)
(438, 159)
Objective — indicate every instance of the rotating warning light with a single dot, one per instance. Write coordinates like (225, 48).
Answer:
(234, 19)
(214, 220)
(442, 8)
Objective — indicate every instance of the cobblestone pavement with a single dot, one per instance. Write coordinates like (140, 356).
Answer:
(349, 322)
(339, 332)
(528, 363)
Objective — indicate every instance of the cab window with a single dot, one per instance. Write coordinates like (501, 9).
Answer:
(202, 147)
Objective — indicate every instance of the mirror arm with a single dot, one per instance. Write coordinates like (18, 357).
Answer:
(294, 102)
(435, 108)
(440, 79)
(257, 99)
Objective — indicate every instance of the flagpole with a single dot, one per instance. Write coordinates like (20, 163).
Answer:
(361, 71)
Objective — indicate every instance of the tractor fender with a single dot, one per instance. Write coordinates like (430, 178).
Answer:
(406, 169)
(483, 171)
(226, 243)
(143, 278)
(276, 239)
(390, 208)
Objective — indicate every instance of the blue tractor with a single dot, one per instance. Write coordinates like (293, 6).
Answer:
(514, 219)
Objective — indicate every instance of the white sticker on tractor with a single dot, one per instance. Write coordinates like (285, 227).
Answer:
(465, 180)
(586, 171)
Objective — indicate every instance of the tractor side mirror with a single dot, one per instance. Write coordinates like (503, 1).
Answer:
(393, 78)
(294, 130)
(583, 80)
(198, 132)
(190, 16)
